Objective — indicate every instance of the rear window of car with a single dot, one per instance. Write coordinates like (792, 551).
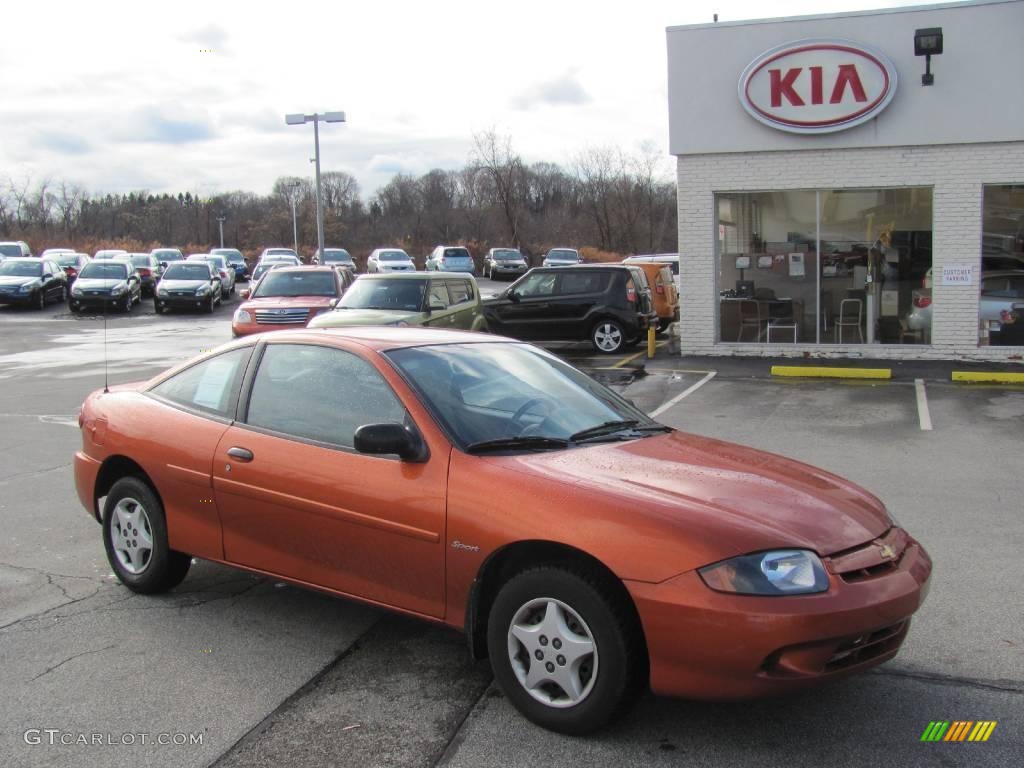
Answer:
(461, 291)
(583, 282)
(456, 253)
(68, 260)
(141, 261)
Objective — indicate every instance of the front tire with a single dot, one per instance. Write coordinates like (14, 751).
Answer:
(40, 300)
(135, 538)
(211, 304)
(608, 337)
(562, 648)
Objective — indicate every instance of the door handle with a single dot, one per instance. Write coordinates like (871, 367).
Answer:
(242, 454)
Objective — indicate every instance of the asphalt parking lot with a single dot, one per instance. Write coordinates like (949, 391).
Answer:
(269, 674)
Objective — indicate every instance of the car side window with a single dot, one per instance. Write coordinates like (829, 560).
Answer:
(439, 292)
(461, 291)
(580, 282)
(210, 386)
(319, 393)
(536, 285)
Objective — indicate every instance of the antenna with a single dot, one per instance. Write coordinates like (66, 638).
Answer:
(106, 382)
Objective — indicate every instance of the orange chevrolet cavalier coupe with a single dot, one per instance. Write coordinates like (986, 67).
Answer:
(485, 484)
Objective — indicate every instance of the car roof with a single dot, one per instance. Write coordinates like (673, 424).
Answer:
(33, 259)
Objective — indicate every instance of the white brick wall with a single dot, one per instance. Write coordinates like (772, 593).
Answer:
(956, 173)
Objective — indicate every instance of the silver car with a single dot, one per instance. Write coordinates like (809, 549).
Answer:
(561, 257)
(390, 260)
(1000, 290)
(223, 269)
(504, 261)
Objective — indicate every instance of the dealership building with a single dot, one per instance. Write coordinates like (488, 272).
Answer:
(852, 185)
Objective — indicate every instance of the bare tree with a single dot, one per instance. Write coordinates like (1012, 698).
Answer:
(494, 155)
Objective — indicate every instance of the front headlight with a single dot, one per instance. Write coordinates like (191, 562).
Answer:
(202, 290)
(76, 290)
(118, 289)
(162, 292)
(779, 572)
(241, 316)
(29, 287)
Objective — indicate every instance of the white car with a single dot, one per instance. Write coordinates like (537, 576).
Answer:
(561, 257)
(109, 253)
(224, 271)
(390, 260)
(280, 252)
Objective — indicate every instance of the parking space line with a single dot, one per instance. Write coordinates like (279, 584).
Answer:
(685, 393)
(923, 416)
(635, 355)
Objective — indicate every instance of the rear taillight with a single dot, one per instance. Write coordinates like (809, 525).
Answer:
(922, 301)
(223, 273)
(659, 288)
(631, 294)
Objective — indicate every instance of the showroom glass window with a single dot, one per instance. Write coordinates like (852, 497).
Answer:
(823, 266)
(1001, 303)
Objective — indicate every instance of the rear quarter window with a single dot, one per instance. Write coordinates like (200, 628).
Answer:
(583, 282)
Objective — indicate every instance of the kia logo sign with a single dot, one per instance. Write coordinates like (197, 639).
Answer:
(817, 86)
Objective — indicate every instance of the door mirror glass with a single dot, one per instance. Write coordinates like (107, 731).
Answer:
(245, 294)
(512, 295)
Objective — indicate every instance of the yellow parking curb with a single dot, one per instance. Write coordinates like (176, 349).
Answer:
(817, 371)
(989, 377)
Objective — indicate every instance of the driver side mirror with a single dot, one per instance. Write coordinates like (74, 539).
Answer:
(390, 438)
(512, 295)
(163, 265)
(244, 293)
(332, 303)
(47, 276)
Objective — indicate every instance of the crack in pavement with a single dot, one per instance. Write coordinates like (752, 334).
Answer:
(72, 658)
(34, 473)
(1003, 686)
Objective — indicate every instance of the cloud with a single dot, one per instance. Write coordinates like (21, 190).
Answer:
(152, 125)
(64, 143)
(562, 90)
(212, 37)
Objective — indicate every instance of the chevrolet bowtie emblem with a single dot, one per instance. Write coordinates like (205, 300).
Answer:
(887, 552)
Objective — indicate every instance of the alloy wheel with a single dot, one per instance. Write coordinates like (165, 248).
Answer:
(552, 652)
(608, 337)
(131, 535)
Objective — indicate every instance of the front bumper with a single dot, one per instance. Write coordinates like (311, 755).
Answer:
(17, 298)
(86, 471)
(181, 302)
(714, 646)
(97, 302)
(508, 269)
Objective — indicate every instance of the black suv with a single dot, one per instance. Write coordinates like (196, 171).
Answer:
(608, 305)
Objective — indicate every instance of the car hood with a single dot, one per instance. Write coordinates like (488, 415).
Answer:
(98, 283)
(16, 279)
(288, 302)
(342, 317)
(182, 285)
(737, 499)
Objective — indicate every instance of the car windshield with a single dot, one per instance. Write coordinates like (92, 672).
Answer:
(406, 295)
(109, 271)
(169, 255)
(561, 254)
(10, 250)
(508, 255)
(141, 261)
(285, 283)
(22, 268)
(229, 253)
(186, 271)
(281, 257)
(393, 256)
(68, 259)
(280, 252)
(507, 396)
(338, 255)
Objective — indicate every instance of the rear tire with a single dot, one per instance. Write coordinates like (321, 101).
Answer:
(608, 337)
(563, 648)
(135, 538)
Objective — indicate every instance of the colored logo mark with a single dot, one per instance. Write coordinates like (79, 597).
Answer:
(958, 730)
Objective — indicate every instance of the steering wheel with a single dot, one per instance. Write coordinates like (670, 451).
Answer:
(523, 409)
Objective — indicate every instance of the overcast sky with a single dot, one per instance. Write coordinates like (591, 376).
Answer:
(192, 95)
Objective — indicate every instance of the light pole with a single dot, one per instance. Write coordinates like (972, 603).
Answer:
(220, 223)
(301, 119)
(295, 221)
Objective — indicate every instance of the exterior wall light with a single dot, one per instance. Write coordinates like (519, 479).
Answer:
(928, 43)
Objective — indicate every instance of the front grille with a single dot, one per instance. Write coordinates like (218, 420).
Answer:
(282, 316)
(865, 647)
(873, 560)
(181, 294)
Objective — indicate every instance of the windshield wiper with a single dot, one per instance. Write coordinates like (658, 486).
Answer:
(605, 428)
(538, 442)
